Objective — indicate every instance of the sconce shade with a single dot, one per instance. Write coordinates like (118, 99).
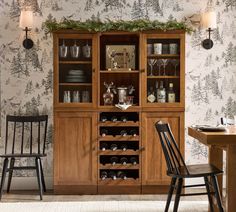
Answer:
(209, 20)
(26, 19)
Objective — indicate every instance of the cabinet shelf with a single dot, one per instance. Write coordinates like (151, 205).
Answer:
(75, 84)
(119, 166)
(163, 56)
(119, 72)
(163, 77)
(119, 152)
(119, 138)
(75, 62)
(119, 124)
(128, 181)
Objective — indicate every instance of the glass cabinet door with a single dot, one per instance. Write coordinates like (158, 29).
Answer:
(75, 69)
(164, 70)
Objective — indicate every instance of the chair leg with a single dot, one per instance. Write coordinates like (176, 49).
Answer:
(43, 180)
(39, 177)
(4, 172)
(172, 187)
(217, 193)
(209, 193)
(12, 162)
(177, 196)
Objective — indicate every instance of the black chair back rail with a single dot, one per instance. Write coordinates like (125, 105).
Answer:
(173, 156)
(22, 128)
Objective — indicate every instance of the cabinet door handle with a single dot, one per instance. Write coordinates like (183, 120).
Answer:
(142, 70)
(93, 70)
(93, 148)
(142, 148)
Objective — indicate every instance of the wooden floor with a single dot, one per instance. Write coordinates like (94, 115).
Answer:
(32, 196)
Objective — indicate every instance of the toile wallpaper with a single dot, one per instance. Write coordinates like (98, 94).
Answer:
(27, 76)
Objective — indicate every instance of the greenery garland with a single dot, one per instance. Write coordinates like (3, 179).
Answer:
(120, 25)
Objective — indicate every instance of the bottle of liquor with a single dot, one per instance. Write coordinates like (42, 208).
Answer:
(123, 160)
(123, 133)
(104, 132)
(114, 119)
(157, 90)
(103, 175)
(114, 160)
(171, 93)
(161, 93)
(124, 147)
(122, 175)
(112, 175)
(134, 160)
(124, 119)
(133, 132)
(103, 118)
(113, 147)
(151, 97)
(104, 146)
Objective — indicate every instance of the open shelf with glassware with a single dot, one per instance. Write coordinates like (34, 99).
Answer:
(110, 88)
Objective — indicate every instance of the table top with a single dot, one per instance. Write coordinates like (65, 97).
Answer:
(227, 137)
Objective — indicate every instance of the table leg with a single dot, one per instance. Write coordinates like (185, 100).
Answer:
(231, 178)
(216, 159)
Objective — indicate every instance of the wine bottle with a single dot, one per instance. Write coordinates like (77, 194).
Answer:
(124, 119)
(124, 147)
(113, 147)
(114, 160)
(123, 133)
(104, 146)
(114, 119)
(151, 97)
(103, 175)
(112, 175)
(123, 160)
(161, 93)
(104, 132)
(103, 119)
(133, 132)
(121, 175)
(171, 93)
(134, 160)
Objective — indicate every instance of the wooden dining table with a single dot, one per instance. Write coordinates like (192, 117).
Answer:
(217, 142)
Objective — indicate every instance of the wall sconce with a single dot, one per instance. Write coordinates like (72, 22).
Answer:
(209, 23)
(26, 22)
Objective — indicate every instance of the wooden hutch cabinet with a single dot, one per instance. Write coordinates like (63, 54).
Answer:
(99, 148)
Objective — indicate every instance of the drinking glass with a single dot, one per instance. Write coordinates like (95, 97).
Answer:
(159, 64)
(164, 62)
(175, 63)
(85, 96)
(151, 63)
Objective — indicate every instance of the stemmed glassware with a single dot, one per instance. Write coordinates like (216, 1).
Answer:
(175, 63)
(159, 64)
(151, 63)
(164, 62)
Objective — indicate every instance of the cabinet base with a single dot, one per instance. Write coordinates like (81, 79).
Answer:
(126, 189)
(155, 189)
(75, 189)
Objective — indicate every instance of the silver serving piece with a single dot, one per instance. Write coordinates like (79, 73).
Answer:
(75, 51)
(122, 93)
(63, 50)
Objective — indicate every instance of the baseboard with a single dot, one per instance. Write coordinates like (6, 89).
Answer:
(28, 183)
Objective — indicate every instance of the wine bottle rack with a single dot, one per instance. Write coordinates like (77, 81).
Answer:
(119, 134)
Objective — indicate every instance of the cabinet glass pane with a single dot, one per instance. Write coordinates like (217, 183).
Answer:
(75, 70)
(163, 70)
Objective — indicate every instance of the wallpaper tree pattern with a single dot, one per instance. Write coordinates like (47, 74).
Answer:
(27, 76)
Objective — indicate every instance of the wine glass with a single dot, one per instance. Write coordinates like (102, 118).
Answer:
(159, 64)
(151, 63)
(164, 62)
(175, 63)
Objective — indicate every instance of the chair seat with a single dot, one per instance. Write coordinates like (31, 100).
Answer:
(25, 155)
(199, 170)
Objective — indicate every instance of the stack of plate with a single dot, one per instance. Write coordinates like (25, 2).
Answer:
(76, 76)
